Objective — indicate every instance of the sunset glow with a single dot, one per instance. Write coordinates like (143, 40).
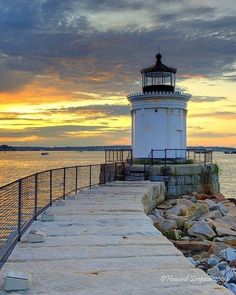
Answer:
(66, 69)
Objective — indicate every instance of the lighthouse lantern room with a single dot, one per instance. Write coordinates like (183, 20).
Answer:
(158, 114)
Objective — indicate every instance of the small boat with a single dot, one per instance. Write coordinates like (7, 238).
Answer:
(44, 154)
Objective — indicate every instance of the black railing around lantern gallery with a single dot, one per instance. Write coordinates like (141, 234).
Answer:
(24, 199)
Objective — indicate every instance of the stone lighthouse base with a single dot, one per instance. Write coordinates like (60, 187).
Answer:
(183, 178)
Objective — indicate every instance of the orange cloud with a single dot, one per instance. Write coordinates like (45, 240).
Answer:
(25, 139)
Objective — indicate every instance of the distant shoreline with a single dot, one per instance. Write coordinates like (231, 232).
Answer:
(95, 148)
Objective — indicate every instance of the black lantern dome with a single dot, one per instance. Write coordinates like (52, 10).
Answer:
(158, 77)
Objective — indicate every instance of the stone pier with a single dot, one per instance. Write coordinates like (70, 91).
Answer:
(102, 243)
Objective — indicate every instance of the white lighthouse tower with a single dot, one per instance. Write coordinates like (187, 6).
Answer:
(158, 114)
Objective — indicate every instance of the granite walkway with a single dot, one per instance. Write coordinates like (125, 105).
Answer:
(102, 243)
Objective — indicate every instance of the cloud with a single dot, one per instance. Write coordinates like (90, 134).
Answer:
(207, 98)
(220, 114)
(207, 134)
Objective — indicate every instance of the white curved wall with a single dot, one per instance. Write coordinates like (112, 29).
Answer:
(158, 123)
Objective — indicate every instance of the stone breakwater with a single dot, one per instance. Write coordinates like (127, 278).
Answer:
(203, 227)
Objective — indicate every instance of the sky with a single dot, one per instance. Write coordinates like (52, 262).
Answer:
(67, 66)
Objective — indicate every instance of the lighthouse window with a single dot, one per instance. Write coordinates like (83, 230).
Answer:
(155, 111)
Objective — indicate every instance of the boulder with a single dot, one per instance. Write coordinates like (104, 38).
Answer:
(218, 196)
(230, 241)
(222, 229)
(216, 275)
(210, 204)
(158, 213)
(201, 230)
(219, 206)
(178, 219)
(176, 210)
(212, 215)
(184, 202)
(195, 211)
(188, 224)
(167, 204)
(216, 247)
(228, 254)
(213, 261)
(201, 196)
(165, 225)
(193, 246)
(154, 218)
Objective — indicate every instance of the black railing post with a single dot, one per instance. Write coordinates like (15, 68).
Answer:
(152, 157)
(115, 177)
(104, 173)
(19, 208)
(76, 179)
(90, 176)
(165, 157)
(50, 188)
(205, 159)
(35, 196)
(64, 183)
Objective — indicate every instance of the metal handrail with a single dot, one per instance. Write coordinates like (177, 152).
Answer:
(172, 154)
(23, 200)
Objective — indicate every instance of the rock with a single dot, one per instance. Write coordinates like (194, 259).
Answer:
(231, 287)
(167, 204)
(193, 246)
(184, 202)
(216, 247)
(186, 238)
(205, 256)
(213, 261)
(218, 196)
(230, 241)
(35, 236)
(17, 281)
(172, 234)
(229, 274)
(154, 218)
(210, 204)
(178, 219)
(165, 225)
(188, 197)
(216, 275)
(201, 230)
(223, 210)
(158, 213)
(195, 211)
(228, 254)
(212, 215)
(233, 263)
(176, 210)
(193, 199)
(188, 224)
(222, 229)
(201, 196)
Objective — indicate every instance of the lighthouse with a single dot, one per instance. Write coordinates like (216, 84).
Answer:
(158, 114)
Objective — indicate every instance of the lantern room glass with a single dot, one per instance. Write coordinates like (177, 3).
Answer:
(158, 79)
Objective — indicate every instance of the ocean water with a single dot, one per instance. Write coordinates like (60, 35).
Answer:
(14, 165)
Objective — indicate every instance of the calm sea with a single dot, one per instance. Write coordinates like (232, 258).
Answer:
(14, 165)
